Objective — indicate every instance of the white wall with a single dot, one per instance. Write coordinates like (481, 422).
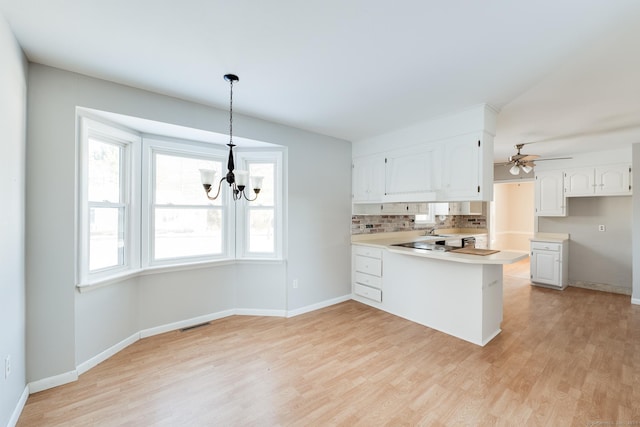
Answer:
(635, 219)
(66, 328)
(13, 90)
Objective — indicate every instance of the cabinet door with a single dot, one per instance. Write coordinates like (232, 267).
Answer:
(410, 171)
(549, 194)
(613, 180)
(462, 161)
(579, 182)
(545, 267)
(368, 179)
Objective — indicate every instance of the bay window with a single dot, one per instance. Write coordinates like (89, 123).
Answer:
(142, 205)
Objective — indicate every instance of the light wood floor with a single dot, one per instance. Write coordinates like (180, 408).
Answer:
(563, 358)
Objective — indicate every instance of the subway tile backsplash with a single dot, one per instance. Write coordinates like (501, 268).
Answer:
(367, 224)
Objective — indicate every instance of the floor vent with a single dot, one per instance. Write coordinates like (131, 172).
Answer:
(188, 328)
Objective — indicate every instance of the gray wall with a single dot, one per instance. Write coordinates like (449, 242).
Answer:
(66, 328)
(596, 257)
(636, 225)
(13, 97)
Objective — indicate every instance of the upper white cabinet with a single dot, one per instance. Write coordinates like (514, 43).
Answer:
(611, 180)
(462, 171)
(411, 174)
(549, 194)
(448, 159)
(457, 208)
(368, 179)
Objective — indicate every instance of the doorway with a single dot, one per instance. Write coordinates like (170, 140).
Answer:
(511, 219)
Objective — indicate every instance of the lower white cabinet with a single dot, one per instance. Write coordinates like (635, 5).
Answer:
(367, 272)
(549, 263)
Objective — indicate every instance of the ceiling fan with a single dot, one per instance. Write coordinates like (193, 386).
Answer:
(525, 161)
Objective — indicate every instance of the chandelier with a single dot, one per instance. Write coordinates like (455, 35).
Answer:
(237, 179)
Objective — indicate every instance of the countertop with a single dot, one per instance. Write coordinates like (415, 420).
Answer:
(387, 240)
(549, 237)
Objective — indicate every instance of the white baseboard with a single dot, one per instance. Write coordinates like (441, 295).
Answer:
(635, 301)
(99, 358)
(260, 312)
(19, 407)
(185, 323)
(318, 306)
(51, 382)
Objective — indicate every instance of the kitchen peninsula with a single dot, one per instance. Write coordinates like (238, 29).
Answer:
(458, 294)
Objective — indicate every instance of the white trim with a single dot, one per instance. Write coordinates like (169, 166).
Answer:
(260, 312)
(54, 381)
(635, 301)
(101, 357)
(19, 407)
(318, 306)
(145, 333)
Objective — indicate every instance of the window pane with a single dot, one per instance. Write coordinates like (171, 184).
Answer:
(265, 170)
(177, 180)
(261, 230)
(187, 232)
(104, 171)
(106, 238)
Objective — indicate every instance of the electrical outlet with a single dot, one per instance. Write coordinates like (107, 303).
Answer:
(7, 367)
(601, 227)
(295, 283)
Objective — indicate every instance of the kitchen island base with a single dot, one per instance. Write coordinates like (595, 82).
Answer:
(459, 299)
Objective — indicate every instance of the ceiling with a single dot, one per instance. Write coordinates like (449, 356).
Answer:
(562, 72)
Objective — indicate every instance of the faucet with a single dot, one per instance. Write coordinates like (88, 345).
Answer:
(430, 231)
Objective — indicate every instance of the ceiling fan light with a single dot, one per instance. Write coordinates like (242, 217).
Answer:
(527, 168)
(515, 170)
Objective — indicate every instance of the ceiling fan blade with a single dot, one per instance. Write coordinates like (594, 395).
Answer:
(554, 158)
(529, 157)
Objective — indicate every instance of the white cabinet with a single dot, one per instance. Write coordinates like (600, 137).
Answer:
(458, 208)
(549, 263)
(411, 174)
(549, 194)
(467, 168)
(610, 180)
(367, 272)
(465, 208)
(368, 179)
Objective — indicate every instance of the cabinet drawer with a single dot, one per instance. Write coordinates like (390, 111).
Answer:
(368, 251)
(367, 292)
(546, 246)
(368, 279)
(368, 265)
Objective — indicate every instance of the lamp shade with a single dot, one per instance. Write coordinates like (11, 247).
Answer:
(527, 168)
(515, 170)
(256, 182)
(207, 176)
(242, 177)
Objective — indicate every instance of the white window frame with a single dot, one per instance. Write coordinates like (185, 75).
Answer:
(156, 144)
(137, 186)
(243, 159)
(129, 183)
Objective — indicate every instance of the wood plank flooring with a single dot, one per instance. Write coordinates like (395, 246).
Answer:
(563, 358)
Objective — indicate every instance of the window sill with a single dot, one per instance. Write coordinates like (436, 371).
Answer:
(101, 283)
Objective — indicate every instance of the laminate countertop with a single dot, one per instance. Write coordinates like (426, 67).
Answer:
(387, 241)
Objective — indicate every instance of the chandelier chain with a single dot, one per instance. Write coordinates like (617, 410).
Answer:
(231, 114)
